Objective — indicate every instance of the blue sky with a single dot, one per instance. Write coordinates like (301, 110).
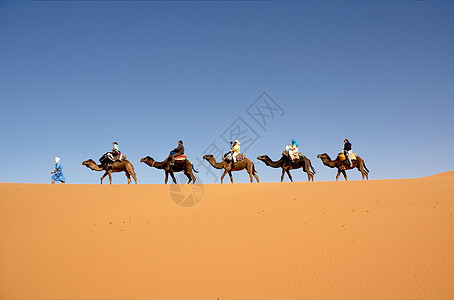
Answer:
(77, 75)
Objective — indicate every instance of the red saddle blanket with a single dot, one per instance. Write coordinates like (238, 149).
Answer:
(181, 157)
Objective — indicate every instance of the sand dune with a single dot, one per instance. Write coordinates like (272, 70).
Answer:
(377, 239)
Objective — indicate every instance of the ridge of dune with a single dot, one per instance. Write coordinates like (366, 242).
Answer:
(443, 174)
(377, 239)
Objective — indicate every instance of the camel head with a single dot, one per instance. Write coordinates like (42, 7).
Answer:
(88, 162)
(324, 155)
(147, 160)
(263, 157)
(208, 157)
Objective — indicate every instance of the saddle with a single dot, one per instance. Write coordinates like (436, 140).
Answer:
(228, 157)
(342, 157)
(110, 158)
(295, 156)
(106, 158)
(181, 157)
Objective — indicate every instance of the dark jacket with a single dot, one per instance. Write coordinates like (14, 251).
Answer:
(347, 146)
(178, 150)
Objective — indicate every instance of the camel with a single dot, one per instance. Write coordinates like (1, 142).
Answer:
(341, 167)
(227, 166)
(118, 166)
(180, 166)
(286, 166)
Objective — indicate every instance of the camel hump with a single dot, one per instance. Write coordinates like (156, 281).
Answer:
(301, 155)
(240, 157)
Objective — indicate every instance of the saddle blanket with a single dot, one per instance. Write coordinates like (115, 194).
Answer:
(181, 157)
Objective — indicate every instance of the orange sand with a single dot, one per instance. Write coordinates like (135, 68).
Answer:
(380, 239)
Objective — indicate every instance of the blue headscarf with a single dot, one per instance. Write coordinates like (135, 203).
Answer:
(294, 143)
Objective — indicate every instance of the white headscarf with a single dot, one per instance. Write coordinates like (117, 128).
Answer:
(57, 159)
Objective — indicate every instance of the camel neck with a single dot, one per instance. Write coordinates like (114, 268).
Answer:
(328, 162)
(273, 164)
(95, 167)
(215, 164)
(159, 164)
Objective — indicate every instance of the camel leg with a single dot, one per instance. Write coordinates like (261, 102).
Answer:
(105, 174)
(167, 177)
(256, 177)
(363, 172)
(250, 170)
(173, 177)
(345, 174)
(192, 176)
(282, 176)
(110, 177)
(307, 169)
(189, 177)
(231, 177)
(289, 175)
(188, 172)
(222, 177)
(338, 174)
(130, 171)
(310, 175)
(128, 176)
(250, 177)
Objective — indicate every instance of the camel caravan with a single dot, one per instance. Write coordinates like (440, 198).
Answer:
(177, 161)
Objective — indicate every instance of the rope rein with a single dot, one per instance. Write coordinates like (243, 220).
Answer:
(72, 169)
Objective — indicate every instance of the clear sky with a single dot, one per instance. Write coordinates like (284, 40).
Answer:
(77, 75)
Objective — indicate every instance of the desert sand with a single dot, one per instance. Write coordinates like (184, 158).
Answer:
(377, 239)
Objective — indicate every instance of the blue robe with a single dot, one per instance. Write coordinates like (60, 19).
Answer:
(58, 176)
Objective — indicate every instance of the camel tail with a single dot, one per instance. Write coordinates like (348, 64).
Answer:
(194, 169)
(365, 168)
(253, 169)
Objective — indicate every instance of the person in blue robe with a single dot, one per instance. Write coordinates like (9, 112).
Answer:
(58, 172)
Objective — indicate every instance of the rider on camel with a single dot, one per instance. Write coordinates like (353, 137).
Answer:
(347, 151)
(176, 152)
(292, 149)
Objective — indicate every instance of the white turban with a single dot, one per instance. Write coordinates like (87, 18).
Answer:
(57, 159)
